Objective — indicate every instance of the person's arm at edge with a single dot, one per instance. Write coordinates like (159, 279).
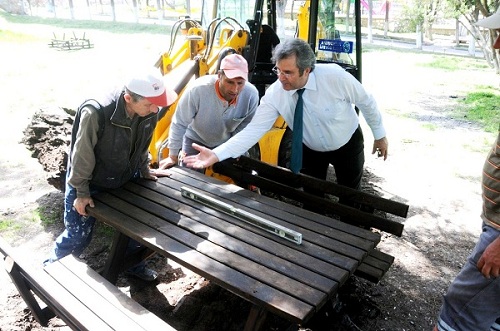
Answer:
(489, 262)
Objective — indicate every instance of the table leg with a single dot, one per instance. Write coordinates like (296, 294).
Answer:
(256, 318)
(116, 257)
(25, 290)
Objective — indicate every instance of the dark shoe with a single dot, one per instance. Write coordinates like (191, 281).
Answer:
(143, 273)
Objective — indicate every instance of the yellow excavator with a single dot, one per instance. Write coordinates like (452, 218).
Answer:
(252, 29)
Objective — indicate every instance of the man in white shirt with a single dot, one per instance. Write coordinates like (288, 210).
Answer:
(331, 131)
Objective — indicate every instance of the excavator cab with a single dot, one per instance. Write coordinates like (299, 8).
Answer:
(204, 36)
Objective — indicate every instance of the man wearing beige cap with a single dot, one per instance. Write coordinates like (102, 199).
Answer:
(472, 302)
(109, 146)
(212, 109)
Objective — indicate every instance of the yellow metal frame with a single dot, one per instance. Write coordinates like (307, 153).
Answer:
(195, 48)
(175, 65)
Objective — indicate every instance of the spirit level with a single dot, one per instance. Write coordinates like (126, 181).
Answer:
(243, 215)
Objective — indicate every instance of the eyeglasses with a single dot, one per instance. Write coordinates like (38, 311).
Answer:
(278, 72)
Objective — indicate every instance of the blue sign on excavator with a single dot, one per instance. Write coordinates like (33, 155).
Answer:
(335, 45)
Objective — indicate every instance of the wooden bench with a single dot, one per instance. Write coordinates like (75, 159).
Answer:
(82, 298)
(278, 180)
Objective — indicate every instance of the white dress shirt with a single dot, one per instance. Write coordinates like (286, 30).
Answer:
(329, 115)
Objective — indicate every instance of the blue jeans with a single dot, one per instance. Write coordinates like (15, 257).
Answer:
(472, 302)
(78, 232)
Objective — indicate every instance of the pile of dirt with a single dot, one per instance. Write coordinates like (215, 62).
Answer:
(48, 137)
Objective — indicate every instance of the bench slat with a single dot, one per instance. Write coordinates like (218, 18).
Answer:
(91, 299)
(112, 295)
(286, 177)
(66, 306)
(82, 298)
(354, 215)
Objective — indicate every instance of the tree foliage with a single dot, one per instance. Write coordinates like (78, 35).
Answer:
(468, 12)
(421, 14)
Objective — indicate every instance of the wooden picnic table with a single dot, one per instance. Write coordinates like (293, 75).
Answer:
(276, 275)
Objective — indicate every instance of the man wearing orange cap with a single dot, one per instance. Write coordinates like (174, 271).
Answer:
(109, 146)
(472, 302)
(212, 110)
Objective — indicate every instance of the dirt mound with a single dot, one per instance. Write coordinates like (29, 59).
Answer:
(48, 137)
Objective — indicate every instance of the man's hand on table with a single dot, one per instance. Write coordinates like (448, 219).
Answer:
(154, 174)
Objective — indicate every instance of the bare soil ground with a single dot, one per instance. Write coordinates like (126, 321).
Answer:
(434, 166)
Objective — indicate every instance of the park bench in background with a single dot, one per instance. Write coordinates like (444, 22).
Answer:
(73, 43)
(82, 298)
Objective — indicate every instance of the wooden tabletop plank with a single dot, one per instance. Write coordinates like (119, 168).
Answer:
(187, 231)
(259, 293)
(329, 255)
(299, 266)
(173, 199)
(287, 209)
(320, 241)
(323, 236)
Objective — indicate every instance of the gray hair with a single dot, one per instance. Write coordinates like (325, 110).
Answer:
(135, 97)
(303, 52)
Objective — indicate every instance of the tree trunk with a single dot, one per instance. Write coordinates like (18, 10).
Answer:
(52, 7)
(89, 10)
(348, 18)
(161, 13)
(428, 27)
(370, 21)
(113, 10)
(386, 20)
(71, 9)
(136, 11)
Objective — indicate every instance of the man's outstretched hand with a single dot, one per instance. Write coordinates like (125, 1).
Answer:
(204, 159)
